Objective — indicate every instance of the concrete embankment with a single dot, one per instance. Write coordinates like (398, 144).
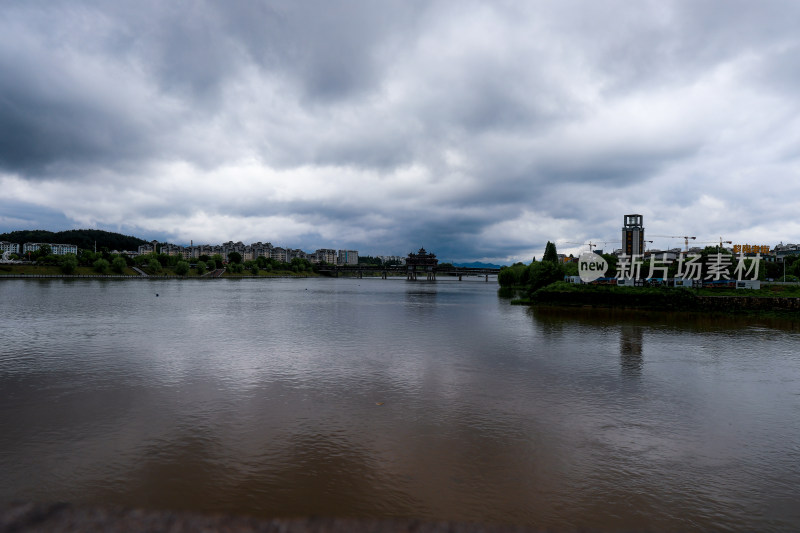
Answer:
(67, 518)
(744, 303)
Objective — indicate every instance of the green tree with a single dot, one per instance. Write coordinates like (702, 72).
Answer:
(570, 268)
(506, 277)
(773, 270)
(792, 267)
(49, 259)
(69, 264)
(515, 275)
(201, 268)
(119, 264)
(217, 260)
(101, 266)
(301, 264)
(544, 273)
(234, 257)
(550, 253)
(252, 266)
(87, 257)
(611, 259)
(369, 260)
(154, 265)
(182, 268)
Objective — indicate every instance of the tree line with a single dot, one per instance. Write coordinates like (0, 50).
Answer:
(105, 262)
(82, 238)
(539, 274)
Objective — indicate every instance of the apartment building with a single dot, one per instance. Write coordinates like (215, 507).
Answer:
(251, 252)
(324, 254)
(782, 250)
(347, 257)
(55, 248)
(10, 247)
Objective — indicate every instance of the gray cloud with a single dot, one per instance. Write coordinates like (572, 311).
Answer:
(482, 130)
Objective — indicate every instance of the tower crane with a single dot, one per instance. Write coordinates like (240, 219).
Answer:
(719, 243)
(590, 244)
(684, 237)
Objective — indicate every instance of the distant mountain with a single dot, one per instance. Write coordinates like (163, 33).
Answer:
(82, 238)
(477, 264)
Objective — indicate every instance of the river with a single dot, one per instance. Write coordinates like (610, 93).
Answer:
(372, 398)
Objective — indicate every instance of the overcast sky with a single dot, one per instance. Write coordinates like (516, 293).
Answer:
(479, 130)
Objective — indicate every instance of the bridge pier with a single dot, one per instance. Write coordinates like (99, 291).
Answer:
(412, 272)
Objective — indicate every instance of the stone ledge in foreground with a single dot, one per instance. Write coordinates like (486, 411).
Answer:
(63, 517)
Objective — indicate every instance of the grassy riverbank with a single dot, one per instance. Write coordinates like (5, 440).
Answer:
(55, 270)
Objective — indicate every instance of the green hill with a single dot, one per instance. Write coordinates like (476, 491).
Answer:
(82, 238)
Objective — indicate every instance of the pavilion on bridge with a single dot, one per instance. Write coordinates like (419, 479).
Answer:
(421, 261)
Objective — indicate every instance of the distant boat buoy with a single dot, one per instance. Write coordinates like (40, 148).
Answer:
(156, 295)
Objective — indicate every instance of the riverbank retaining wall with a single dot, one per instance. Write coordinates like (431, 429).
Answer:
(668, 301)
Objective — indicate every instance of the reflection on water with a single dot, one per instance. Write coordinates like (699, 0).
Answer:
(696, 322)
(391, 398)
(630, 348)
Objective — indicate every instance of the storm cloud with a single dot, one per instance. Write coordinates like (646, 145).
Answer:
(478, 130)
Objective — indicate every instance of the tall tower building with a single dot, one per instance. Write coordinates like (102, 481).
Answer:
(633, 235)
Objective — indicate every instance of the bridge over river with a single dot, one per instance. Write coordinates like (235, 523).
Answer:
(411, 272)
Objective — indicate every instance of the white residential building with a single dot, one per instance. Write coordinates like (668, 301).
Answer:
(55, 249)
(10, 247)
(782, 250)
(278, 254)
(172, 249)
(296, 253)
(64, 249)
(324, 254)
(259, 249)
(148, 248)
(347, 257)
